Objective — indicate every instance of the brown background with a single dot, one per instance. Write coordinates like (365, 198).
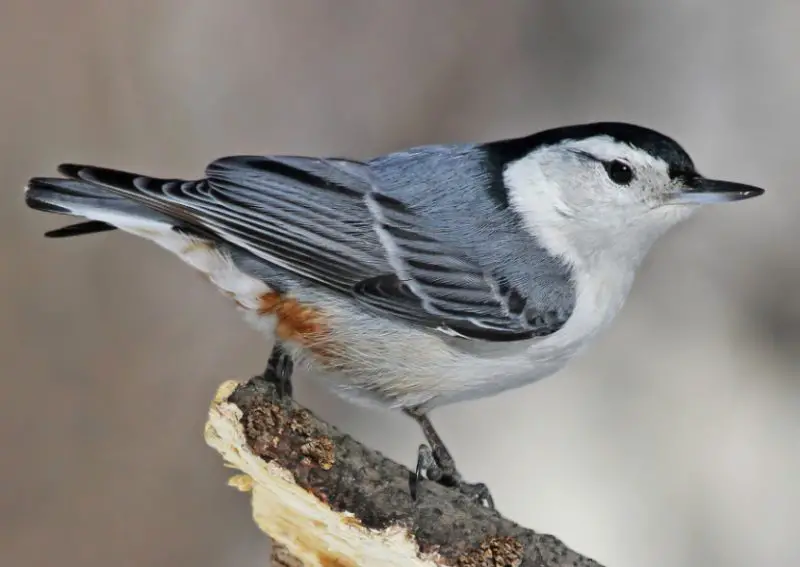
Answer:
(673, 442)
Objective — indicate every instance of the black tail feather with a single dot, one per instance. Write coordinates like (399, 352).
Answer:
(44, 206)
(70, 170)
(101, 175)
(80, 228)
(74, 196)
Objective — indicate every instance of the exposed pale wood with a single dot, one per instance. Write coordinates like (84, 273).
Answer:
(328, 501)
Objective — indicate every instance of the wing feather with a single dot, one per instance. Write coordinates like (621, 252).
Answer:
(326, 220)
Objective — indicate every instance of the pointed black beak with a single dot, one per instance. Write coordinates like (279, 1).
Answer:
(703, 191)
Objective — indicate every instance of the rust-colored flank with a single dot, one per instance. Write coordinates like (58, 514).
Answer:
(296, 322)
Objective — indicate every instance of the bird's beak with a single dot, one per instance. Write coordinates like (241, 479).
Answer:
(703, 191)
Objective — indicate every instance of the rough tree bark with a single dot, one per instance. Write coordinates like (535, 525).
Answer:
(328, 501)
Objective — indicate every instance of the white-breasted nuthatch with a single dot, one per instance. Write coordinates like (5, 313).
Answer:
(422, 277)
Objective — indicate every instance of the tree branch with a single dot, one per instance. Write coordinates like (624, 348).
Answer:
(328, 501)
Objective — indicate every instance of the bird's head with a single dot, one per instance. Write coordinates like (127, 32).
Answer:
(605, 185)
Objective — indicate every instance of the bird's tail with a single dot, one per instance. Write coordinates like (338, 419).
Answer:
(93, 200)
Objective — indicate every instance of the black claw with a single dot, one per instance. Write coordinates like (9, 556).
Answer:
(427, 464)
(413, 485)
(435, 463)
(427, 468)
(479, 493)
(279, 371)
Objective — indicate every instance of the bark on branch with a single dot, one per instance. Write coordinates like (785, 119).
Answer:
(328, 501)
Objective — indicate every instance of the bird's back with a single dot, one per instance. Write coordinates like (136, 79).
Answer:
(460, 192)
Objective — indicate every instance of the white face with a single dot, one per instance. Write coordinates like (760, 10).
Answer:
(593, 193)
(599, 179)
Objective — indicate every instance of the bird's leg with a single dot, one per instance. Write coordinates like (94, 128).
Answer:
(435, 463)
(279, 370)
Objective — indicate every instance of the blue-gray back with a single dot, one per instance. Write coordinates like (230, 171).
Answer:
(460, 191)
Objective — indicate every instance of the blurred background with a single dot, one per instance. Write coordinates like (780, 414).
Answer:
(672, 442)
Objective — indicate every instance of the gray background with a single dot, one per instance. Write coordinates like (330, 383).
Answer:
(672, 442)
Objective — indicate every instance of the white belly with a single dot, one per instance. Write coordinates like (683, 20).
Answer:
(396, 365)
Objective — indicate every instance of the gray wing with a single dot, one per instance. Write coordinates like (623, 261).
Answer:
(304, 215)
(442, 285)
(326, 221)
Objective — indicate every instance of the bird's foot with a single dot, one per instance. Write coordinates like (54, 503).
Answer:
(435, 463)
(279, 371)
(439, 467)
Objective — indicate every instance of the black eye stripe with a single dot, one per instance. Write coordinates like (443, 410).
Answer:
(618, 171)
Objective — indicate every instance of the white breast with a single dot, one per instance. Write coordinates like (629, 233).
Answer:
(600, 295)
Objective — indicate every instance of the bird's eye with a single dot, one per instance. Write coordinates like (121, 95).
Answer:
(619, 172)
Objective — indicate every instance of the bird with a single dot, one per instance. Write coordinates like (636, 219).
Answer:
(422, 277)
